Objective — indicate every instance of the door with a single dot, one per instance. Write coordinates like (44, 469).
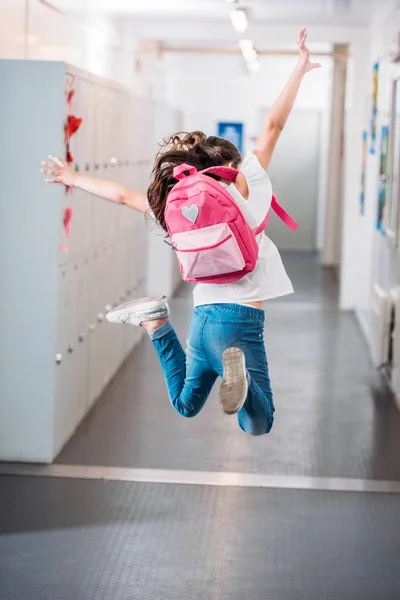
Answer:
(294, 172)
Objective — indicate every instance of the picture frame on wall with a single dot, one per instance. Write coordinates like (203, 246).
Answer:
(233, 132)
(363, 170)
(390, 218)
(383, 171)
(374, 115)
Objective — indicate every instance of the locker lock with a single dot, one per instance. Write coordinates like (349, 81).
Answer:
(58, 358)
(81, 337)
(100, 317)
(107, 307)
(70, 349)
(113, 161)
(87, 166)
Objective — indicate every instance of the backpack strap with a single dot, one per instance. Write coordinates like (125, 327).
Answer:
(224, 172)
(180, 170)
(282, 214)
(230, 174)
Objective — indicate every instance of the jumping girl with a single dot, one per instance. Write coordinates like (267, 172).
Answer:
(226, 336)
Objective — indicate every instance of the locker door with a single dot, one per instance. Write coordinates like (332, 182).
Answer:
(98, 100)
(80, 341)
(67, 402)
(94, 326)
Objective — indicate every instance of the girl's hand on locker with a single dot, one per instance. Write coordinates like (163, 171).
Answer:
(304, 59)
(59, 171)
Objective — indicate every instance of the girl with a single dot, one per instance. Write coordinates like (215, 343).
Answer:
(226, 330)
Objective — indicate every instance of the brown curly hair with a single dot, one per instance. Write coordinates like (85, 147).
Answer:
(195, 149)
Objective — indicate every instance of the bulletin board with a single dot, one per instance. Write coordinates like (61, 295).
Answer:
(233, 132)
(390, 195)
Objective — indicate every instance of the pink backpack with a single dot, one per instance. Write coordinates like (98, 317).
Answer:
(211, 237)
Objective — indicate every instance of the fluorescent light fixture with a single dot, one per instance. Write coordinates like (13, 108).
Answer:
(250, 55)
(239, 20)
(248, 50)
(246, 45)
(253, 66)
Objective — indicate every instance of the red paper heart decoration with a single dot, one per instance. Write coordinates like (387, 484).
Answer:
(72, 125)
(70, 158)
(66, 227)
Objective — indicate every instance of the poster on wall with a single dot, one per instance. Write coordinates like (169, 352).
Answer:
(233, 132)
(374, 115)
(363, 170)
(383, 169)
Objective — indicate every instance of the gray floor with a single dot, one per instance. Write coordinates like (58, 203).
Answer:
(85, 540)
(71, 539)
(335, 417)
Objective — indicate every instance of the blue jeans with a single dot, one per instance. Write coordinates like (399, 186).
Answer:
(190, 377)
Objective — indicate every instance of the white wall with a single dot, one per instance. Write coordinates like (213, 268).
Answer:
(212, 87)
(366, 256)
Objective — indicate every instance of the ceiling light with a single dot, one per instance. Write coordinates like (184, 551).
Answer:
(245, 45)
(239, 20)
(248, 50)
(250, 54)
(253, 66)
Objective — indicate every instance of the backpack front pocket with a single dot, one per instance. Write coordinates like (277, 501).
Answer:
(208, 251)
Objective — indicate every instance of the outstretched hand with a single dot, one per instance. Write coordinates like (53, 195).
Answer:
(304, 59)
(59, 171)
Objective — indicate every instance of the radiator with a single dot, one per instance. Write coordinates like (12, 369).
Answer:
(382, 304)
(395, 379)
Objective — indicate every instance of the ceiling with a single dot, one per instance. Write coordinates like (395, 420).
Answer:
(346, 12)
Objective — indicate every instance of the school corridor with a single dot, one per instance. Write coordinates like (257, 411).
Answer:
(107, 493)
(142, 503)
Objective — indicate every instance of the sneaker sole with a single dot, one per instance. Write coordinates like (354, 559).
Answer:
(234, 386)
(122, 313)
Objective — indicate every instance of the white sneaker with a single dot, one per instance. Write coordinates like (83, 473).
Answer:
(234, 386)
(135, 312)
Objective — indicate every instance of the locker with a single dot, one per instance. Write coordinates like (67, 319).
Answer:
(107, 256)
(70, 371)
(95, 324)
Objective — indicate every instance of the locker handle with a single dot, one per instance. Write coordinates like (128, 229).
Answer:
(100, 317)
(70, 349)
(58, 359)
(77, 167)
(96, 167)
(106, 165)
(81, 337)
(87, 166)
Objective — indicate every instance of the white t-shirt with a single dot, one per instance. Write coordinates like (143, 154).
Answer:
(269, 279)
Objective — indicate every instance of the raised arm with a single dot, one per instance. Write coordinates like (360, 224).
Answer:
(60, 172)
(279, 113)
